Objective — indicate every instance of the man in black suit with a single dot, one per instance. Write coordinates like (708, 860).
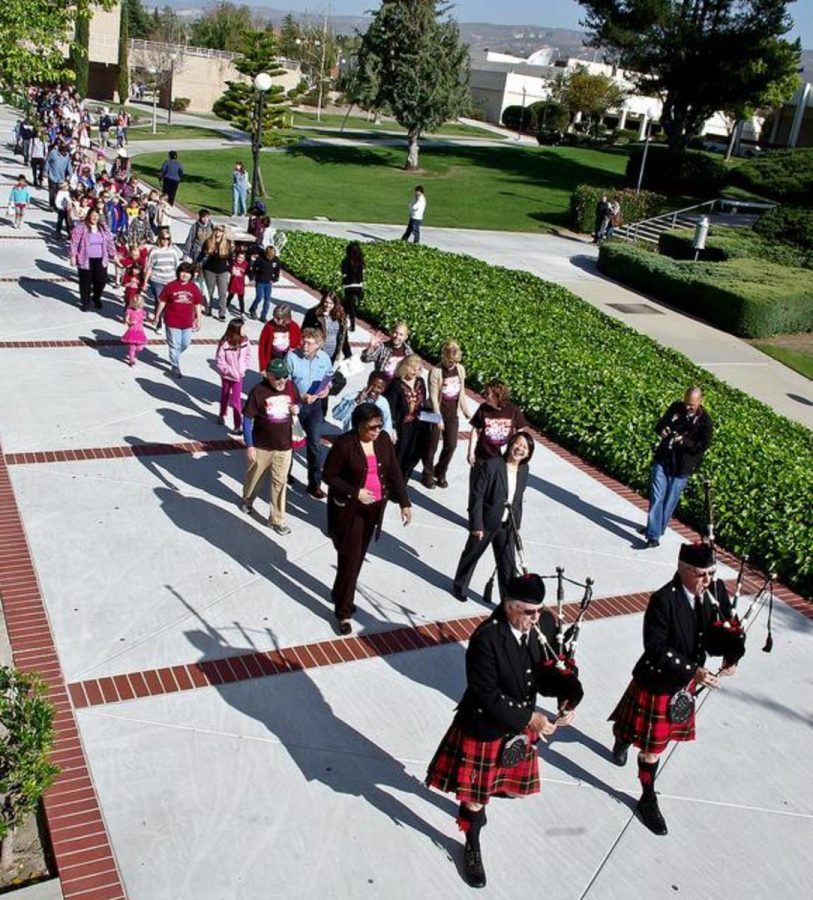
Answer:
(683, 623)
(685, 434)
(500, 482)
(504, 672)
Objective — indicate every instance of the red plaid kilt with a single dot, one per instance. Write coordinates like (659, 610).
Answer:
(471, 769)
(642, 718)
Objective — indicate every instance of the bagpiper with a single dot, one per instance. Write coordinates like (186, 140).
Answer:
(490, 749)
(685, 621)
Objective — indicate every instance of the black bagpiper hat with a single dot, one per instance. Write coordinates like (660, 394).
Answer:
(528, 588)
(699, 555)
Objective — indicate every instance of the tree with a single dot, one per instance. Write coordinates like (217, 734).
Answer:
(124, 52)
(138, 19)
(37, 58)
(699, 55)
(412, 62)
(166, 27)
(289, 34)
(579, 91)
(81, 44)
(222, 27)
(238, 103)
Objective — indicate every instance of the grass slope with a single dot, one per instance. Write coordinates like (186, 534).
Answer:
(500, 188)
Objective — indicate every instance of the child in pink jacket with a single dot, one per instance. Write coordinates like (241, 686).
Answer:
(231, 360)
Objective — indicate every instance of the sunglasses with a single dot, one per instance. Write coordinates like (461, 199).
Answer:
(371, 427)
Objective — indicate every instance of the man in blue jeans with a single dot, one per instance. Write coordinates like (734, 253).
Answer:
(685, 434)
(310, 368)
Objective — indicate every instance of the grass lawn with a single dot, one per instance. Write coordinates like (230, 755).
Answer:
(165, 132)
(500, 188)
(333, 120)
(793, 350)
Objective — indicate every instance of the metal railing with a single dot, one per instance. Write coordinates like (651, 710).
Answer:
(180, 49)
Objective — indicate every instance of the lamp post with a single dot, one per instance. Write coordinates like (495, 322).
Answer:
(154, 73)
(650, 115)
(172, 59)
(262, 84)
(521, 115)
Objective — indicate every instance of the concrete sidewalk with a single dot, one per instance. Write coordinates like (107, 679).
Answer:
(571, 262)
(218, 740)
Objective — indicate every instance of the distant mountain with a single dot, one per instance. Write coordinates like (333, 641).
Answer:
(519, 40)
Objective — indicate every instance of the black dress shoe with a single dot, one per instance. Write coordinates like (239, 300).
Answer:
(317, 493)
(441, 482)
(652, 543)
(473, 863)
(620, 749)
(649, 813)
(345, 627)
(459, 595)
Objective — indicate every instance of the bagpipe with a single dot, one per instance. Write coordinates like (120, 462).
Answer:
(726, 637)
(558, 674)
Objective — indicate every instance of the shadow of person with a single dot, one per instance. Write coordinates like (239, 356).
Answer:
(609, 521)
(805, 401)
(325, 748)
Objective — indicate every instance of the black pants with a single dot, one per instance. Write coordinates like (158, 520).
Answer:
(53, 187)
(449, 437)
(171, 189)
(355, 541)
(241, 299)
(413, 438)
(92, 282)
(352, 300)
(37, 170)
(62, 219)
(502, 544)
(413, 230)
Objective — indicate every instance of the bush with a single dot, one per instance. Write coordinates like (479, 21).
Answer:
(671, 172)
(744, 296)
(535, 116)
(180, 104)
(784, 175)
(733, 243)
(634, 207)
(592, 384)
(789, 224)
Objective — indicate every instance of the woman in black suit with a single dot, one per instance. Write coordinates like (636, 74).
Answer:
(362, 473)
(408, 397)
(500, 481)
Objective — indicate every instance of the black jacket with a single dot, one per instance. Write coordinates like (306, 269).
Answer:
(489, 494)
(675, 643)
(265, 269)
(396, 398)
(501, 687)
(345, 472)
(312, 319)
(681, 450)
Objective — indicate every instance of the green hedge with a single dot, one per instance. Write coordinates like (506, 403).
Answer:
(634, 207)
(784, 175)
(691, 173)
(592, 384)
(789, 224)
(735, 243)
(744, 296)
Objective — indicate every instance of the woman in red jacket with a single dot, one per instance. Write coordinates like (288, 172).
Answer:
(278, 336)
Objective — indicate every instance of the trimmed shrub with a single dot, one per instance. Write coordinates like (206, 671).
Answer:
(180, 104)
(744, 296)
(592, 384)
(733, 243)
(689, 173)
(531, 118)
(784, 175)
(634, 207)
(789, 224)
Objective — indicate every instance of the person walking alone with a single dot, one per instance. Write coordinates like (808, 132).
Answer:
(417, 208)
(239, 189)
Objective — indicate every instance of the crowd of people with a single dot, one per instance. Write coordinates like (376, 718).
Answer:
(402, 417)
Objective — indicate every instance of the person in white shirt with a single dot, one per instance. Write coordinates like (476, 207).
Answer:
(417, 208)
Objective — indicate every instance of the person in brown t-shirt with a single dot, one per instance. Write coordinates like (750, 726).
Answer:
(494, 424)
(268, 416)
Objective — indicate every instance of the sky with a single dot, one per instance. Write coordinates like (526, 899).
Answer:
(554, 13)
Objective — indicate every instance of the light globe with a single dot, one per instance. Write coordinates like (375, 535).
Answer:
(263, 82)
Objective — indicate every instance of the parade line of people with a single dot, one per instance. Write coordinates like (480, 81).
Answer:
(397, 420)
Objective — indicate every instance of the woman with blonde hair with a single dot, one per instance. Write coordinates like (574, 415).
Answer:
(407, 397)
(214, 261)
(447, 394)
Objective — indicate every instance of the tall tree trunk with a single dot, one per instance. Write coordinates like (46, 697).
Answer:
(7, 851)
(413, 136)
(731, 140)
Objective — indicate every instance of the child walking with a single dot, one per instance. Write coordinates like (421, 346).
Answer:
(265, 272)
(237, 281)
(19, 198)
(231, 361)
(135, 336)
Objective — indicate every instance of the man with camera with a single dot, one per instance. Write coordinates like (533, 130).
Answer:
(685, 434)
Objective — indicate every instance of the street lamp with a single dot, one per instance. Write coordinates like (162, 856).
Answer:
(262, 84)
(650, 116)
(154, 73)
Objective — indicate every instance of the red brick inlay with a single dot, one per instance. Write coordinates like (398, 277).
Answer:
(82, 851)
(107, 453)
(90, 342)
(259, 664)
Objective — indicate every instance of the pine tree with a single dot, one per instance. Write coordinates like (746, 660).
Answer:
(80, 47)
(411, 62)
(124, 52)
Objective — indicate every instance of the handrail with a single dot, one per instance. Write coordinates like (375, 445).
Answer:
(674, 213)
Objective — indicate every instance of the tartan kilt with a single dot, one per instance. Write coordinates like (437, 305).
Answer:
(471, 769)
(642, 718)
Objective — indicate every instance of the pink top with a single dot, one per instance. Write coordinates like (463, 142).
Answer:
(373, 482)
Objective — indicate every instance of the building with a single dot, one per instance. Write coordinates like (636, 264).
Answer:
(792, 124)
